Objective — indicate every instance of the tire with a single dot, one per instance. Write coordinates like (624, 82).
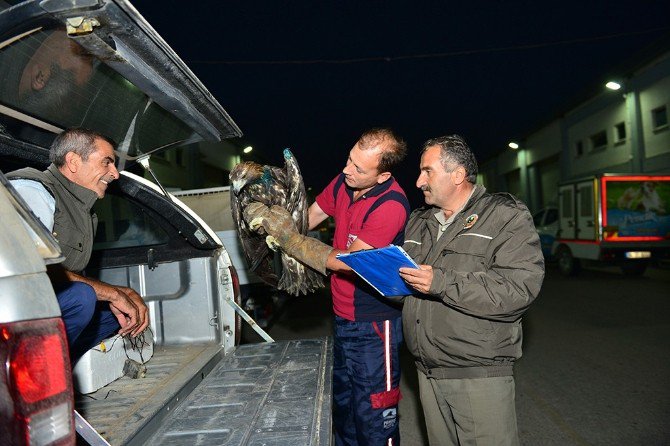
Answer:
(634, 268)
(567, 264)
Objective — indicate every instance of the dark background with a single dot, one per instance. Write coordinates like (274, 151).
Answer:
(312, 76)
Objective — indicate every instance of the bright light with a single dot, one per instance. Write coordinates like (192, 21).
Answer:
(513, 145)
(613, 85)
(638, 254)
(247, 149)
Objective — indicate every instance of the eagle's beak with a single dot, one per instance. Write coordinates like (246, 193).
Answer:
(238, 185)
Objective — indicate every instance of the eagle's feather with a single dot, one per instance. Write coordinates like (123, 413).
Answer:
(272, 186)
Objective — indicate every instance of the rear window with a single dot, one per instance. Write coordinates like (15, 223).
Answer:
(49, 82)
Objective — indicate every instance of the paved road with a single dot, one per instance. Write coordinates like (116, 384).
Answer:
(596, 364)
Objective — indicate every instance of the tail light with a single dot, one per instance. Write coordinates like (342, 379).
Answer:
(36, 389)
(238, 300)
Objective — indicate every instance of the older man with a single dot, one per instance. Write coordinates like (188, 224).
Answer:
(480, 268)
(82, 167)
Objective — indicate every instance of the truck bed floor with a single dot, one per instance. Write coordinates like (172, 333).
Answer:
(127, 411)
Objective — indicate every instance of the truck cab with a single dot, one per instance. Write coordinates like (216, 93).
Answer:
(98, 64)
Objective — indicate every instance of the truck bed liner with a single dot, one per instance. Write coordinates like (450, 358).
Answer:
(262, 394)
(129, 409)
(265, 393)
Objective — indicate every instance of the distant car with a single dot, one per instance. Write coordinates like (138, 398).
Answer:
(546, 224)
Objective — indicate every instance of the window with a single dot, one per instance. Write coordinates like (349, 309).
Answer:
(579, 148)
(659, 118)
(125, 224)
(620, 132)
(552, 216)
(598, 141)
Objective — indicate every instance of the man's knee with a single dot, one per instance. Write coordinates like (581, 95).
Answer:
(77, 303)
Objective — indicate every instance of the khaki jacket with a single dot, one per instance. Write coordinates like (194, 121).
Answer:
(74, 222)
(487, 269)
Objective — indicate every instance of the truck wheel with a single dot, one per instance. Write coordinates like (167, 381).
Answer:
(567, 264)
(634, 268)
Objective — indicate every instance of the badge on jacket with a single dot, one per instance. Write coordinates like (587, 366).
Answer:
(470, 221)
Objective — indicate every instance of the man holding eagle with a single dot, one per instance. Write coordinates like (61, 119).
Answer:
(370, 211)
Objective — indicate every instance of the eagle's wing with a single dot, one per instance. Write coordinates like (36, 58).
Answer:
(296, 278)
(283, 187)
(256, 252)
(296, 198)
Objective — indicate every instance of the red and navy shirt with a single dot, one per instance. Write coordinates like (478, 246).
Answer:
(378, 218)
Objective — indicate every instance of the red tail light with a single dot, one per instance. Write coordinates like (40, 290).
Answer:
(38, 380)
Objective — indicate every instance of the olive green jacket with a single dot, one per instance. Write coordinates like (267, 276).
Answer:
(487, 269)
(74, 223)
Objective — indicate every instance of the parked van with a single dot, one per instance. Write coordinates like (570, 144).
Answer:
(613, 219)
(98, 64)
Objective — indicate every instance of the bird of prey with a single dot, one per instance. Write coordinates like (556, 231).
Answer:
(272, 186)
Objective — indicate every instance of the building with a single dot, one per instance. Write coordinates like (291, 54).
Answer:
(613, 131)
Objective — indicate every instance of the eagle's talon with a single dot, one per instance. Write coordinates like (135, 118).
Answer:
(256, 223)
(272, 243)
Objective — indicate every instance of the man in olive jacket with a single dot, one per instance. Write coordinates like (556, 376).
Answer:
(480, 268)
(62, 197)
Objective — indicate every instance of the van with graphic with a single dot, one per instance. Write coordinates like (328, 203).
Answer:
(614, 219)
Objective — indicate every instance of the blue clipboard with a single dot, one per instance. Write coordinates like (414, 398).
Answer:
(379, 268)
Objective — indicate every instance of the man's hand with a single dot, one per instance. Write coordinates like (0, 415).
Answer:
(125, 311)
(142, 310)
(129, 309)
(419, 279)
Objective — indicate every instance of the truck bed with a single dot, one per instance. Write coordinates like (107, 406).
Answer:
(265, 393)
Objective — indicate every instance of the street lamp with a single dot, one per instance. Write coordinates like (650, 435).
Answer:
(247, 149)
(513, 145)
(612, 85)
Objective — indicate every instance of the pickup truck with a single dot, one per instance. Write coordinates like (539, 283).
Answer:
(98, 64)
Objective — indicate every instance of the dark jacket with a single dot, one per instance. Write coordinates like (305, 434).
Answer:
(487, 269)
(74, 223)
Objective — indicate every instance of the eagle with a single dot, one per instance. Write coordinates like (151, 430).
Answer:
(284, 187)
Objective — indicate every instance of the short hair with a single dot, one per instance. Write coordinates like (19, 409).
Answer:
(393, 148)
(77, 140)
(454, 150)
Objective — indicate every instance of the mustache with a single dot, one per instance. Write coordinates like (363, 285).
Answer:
(425, 188)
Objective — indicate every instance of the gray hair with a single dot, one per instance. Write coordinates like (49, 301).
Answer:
(454, 150)
(77, 140)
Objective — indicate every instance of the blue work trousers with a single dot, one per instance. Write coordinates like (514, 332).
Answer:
(366, 382)
(87, 320)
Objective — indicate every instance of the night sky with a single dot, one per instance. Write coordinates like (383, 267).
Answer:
(312, 75)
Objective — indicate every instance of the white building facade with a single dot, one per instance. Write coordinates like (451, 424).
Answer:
(623, 131)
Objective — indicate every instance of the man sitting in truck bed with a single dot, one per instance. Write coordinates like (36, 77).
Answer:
(82, 166)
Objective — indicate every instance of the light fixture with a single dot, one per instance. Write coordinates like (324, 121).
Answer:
(613, 85)
(247, 149)
(513, 145)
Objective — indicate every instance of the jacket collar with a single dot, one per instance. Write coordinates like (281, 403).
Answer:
(83, 195)
(427, 212)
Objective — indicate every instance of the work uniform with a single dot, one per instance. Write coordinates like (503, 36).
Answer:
(368, 327)
(73, 224)
(466, 333)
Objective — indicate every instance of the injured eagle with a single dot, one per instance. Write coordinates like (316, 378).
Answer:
(272, 186)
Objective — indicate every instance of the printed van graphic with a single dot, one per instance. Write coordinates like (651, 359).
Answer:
(638, 208)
